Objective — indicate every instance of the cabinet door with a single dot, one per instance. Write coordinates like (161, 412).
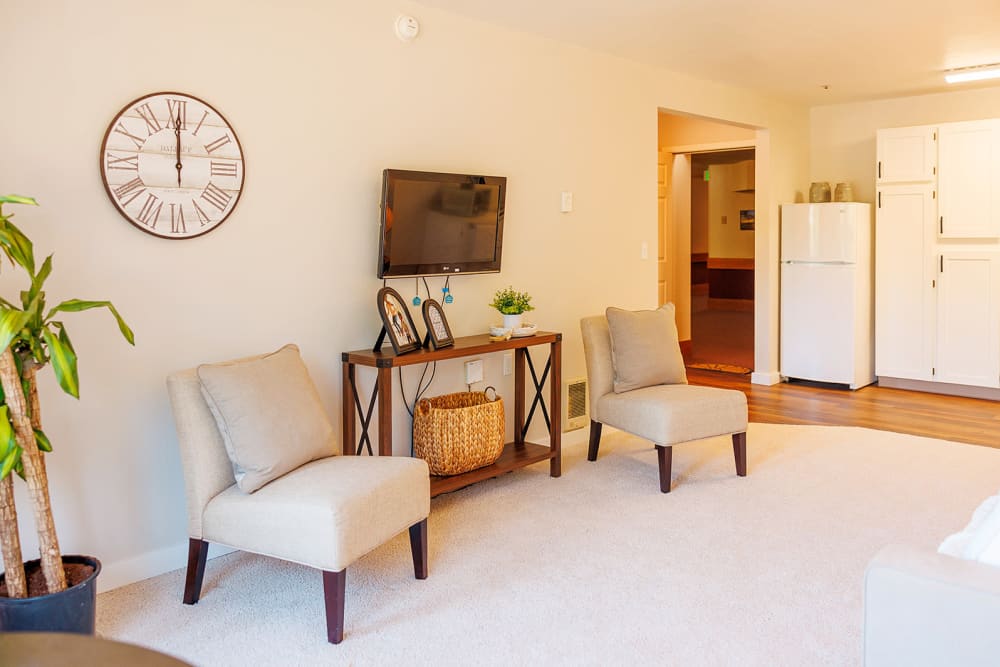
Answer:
(906, 154)
(904, 271)
(967, 159)
(968, 318)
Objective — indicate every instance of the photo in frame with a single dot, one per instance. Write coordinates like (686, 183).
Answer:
(438, 331)
(396, 322)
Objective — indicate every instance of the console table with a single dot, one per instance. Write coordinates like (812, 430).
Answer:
(516, 454)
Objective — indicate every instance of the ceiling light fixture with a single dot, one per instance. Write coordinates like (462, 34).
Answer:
(977, 73)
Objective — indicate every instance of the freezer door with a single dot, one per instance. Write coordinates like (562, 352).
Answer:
(819, 233)
(817, 322)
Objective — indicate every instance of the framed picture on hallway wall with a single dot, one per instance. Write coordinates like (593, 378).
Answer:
(746, 219)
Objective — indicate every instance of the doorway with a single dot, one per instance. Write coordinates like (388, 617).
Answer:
(707, 237)
(722, 261)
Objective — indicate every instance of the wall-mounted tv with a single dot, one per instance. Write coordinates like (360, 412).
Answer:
(440, 224)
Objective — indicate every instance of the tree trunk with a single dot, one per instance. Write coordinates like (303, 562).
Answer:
(10, 541)
(34, 473)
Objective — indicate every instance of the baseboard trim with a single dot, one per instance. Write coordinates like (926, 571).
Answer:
(115, 574)
(945, 388)
(765, 378)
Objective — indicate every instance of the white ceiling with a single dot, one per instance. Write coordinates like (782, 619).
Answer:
(862, 49)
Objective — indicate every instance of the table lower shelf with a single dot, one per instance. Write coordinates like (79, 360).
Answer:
(514, 456)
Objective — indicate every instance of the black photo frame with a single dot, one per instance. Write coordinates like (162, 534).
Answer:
(396, 322)
(438, 331)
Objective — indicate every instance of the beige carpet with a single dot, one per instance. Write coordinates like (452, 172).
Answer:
(598, 567)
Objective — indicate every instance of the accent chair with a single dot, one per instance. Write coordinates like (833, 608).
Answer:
(261, 475)
(638, 384)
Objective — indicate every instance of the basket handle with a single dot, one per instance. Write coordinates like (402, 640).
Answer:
(495, 395)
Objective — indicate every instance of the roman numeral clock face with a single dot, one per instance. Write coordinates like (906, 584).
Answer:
(172, 165)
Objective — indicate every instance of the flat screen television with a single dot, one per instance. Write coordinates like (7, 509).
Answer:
(440, 224)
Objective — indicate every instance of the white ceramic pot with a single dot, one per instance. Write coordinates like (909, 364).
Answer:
(512, 321)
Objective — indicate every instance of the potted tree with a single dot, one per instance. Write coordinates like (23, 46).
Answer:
(55, 593)
(512, 305)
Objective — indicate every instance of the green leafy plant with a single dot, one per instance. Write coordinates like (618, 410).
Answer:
(511, 302)
(31, 338)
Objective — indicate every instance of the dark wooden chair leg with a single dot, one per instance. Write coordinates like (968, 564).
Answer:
(595, 440)
(334, 585)
(740, 452)
(418, 546)
(197, 555)
(665, 454)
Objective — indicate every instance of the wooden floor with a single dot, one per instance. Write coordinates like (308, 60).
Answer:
(947, 417)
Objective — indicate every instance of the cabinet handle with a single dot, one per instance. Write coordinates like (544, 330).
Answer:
(941, 263)
(941, 226)
(880, 168)
(880, 200)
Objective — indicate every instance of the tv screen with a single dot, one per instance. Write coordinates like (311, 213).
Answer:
(440, 224)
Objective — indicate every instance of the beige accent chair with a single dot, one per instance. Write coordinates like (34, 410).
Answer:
(325, 514)
(666, 414)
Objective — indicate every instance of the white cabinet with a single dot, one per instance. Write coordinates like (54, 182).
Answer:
(937, 254)
(904, 287)
(906, 154)
(968, 318)
(967, 174)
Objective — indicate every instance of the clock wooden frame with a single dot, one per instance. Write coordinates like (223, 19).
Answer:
(150, 142)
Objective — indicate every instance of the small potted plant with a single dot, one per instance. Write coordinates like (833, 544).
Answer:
(53, 593)
(512, 305)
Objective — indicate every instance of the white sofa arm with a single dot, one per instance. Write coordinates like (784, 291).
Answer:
(924, 608)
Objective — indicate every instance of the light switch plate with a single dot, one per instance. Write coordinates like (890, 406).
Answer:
(566, 202)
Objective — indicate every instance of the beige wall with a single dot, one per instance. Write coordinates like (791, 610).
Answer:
(842, 137)
(677, 130)
(725, 238)
(323, 97)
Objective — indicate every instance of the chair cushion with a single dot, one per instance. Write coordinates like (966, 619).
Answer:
(269, 414)
(671, 414)
(327, 513)
(644, 348)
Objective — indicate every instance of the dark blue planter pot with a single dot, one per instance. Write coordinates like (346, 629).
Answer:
(71, 610)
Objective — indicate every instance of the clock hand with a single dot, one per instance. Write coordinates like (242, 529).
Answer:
(177, 133)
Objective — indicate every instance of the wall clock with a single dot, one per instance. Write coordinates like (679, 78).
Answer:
(172, 165)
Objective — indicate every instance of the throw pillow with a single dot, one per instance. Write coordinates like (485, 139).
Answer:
(269, 414)
(980, 540)
(644, 348)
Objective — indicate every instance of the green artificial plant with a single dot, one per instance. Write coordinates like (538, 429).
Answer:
(511, 302)
(32, 338)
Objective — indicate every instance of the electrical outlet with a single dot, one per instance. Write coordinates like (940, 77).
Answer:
(508, 363)
(473, 371)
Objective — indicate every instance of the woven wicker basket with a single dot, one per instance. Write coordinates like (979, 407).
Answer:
(456, 433)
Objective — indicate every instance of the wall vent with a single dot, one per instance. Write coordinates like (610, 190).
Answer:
(576, 403)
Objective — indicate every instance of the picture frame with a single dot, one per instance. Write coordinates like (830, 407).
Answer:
(438, 332)
(747, 219)
(397, 322)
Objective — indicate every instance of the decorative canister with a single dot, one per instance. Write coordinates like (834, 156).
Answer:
(819, 192)
(843, 192)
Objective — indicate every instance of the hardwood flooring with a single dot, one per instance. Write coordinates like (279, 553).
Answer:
(967, 420)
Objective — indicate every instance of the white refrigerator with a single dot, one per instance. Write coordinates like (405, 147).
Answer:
(827, 316)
